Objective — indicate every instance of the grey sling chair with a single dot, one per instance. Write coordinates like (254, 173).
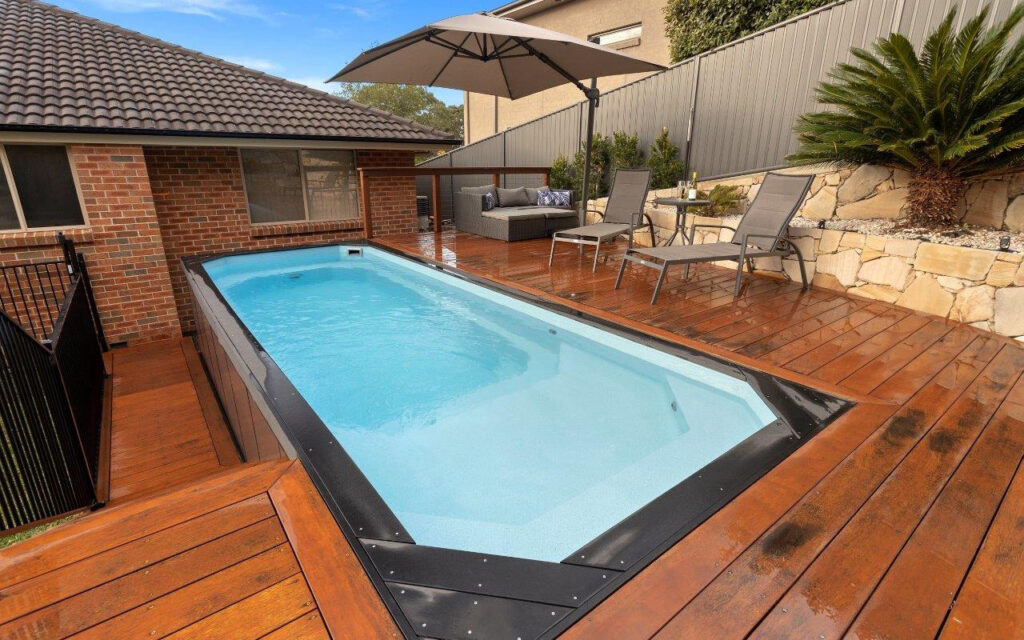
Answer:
(761, 232)
(623, 214)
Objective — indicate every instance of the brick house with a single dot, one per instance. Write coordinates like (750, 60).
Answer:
(144, 152)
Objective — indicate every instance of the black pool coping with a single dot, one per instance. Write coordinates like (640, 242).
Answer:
(446, 593)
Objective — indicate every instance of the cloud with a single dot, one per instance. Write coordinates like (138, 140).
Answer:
(217, 9)
(363, 9)
(259, 64)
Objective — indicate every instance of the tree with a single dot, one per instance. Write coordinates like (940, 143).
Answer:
(696, 26)
(413, 102)
(949, 112)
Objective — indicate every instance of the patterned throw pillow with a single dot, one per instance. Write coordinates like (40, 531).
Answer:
(534, 194)
(554, 198)
(488, 201)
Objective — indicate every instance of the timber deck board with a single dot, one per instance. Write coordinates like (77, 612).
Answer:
(900, 520)
(904, 506)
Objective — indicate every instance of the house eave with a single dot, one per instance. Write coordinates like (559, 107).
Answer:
(163, 137)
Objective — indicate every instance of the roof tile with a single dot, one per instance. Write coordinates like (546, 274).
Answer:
(66, 70)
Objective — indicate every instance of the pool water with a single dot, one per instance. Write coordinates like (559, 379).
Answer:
(485, 423)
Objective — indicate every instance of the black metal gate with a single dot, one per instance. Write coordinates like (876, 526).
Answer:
(52, 381)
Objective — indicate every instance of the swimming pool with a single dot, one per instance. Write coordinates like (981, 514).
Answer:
(478, 425)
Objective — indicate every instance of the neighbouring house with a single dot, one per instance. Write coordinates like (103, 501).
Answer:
(143, 152)
(638, 31)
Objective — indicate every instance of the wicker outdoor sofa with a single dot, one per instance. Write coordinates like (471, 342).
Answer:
(515, 215)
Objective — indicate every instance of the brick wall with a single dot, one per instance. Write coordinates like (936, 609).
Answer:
(122, 245)
(392, 199)
(147, 208)
(201, 208)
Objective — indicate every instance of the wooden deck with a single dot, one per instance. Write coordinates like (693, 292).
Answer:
(903, 519)
(193, 544)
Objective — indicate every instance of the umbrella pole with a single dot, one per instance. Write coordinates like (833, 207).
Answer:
(592, 96)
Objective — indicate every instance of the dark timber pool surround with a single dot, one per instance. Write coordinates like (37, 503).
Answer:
(445, 593)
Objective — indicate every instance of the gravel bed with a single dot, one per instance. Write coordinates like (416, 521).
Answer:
(975, 237)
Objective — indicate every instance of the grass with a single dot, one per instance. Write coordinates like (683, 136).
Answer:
(15, 538)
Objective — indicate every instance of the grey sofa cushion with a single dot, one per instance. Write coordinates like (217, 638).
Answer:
(547, 212)
(513, 197)
(514, 213)
(489, 188)
(558, 212)
(533, 194)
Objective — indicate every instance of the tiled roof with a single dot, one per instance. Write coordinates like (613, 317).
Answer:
(61, 70)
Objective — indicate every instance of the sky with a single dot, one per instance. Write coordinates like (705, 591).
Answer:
(301, 40)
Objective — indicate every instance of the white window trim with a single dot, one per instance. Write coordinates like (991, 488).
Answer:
(305, 196)
(24, 228)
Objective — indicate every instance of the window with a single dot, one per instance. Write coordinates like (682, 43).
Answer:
(37, 188)
(285, 185)
(619, 38)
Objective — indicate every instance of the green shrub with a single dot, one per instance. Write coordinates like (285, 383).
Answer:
(696, 26)
(725, 199)
(946, 113)
(569, 175)
(561, 177)
(666, 167)
(625, 152)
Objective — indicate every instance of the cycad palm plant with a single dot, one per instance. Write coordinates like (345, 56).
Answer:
(952, 111)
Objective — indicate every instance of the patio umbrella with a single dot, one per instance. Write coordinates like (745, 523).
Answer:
(486, 54)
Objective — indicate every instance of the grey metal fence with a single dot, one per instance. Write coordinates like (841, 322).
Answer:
(730, 110)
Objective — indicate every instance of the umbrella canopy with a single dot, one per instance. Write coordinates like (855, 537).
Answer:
(483, 53)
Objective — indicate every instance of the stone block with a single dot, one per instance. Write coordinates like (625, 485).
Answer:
(843, 266)
(1001, 274)
(974, 304)
(829, 241)
(953, 284)
(986, 203)
(901, 247)
(876, 292)
(900, 178)
(1016, 184)
(1014, 220)
(862, 182)
(852, 240)
(792, 269)
(768, 263)
(891, 271)
(926, 295)
(959, 262)
(821, 205)
(827, 281)
(867, 255)
(875, 242)
(806, 246)
(885, 205)
(1009, 311)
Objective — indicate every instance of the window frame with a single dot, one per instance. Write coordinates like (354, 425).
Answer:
(302, 179)
(5, 165)
(624, 43)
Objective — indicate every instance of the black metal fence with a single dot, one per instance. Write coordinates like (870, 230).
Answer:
(51, 392)
(31, 294)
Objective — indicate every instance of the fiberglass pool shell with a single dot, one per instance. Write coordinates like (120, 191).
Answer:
(444, 592)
